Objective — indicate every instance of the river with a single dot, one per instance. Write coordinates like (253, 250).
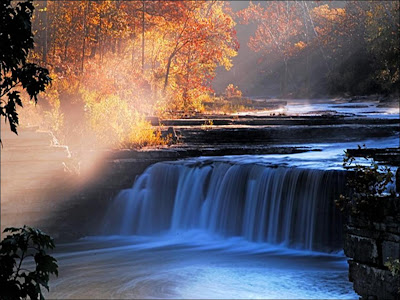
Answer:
(249, 226)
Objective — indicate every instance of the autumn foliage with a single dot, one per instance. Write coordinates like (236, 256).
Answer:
(355, 42)
(114, 62)
(233, 91)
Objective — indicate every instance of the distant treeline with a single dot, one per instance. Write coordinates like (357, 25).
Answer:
(308, 48)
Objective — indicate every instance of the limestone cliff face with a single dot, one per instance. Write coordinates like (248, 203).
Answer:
(369, 244)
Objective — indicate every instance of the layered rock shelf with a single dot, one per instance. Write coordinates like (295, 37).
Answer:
(272, 135)
(225, 120)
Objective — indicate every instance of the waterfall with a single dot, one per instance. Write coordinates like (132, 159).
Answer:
(292, 207)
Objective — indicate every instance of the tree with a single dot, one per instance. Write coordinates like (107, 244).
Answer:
(199, 38)
(156, 56)
(16, 281)
(278, 31)
(366, 182)
(382, 36)
(16, 73)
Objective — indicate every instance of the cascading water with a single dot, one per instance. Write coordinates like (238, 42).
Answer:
(293, 207)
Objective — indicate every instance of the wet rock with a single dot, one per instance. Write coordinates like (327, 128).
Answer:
(398, 180)
(364, 249)
(373, 283)
(270, 135)
(390, 251)
(172, 135)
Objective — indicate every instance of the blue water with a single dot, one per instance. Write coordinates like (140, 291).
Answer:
(185, 261)
(195, 264)
(278, 205)
(318, 107)
(329, 156)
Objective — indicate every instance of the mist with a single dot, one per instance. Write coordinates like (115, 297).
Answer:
(318, 70)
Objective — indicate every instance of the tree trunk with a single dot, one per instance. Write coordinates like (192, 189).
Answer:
(143, 8)
(284, 79)
(100, 38)
(133, 44)
(84, 35)
(46, 22)
(167, 72)
(307, 87)
(307, 36)
(186, 88)
(66, 49)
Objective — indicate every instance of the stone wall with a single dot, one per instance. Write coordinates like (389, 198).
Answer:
(369, 243)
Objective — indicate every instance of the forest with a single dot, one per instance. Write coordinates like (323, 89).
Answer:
(114, 63)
